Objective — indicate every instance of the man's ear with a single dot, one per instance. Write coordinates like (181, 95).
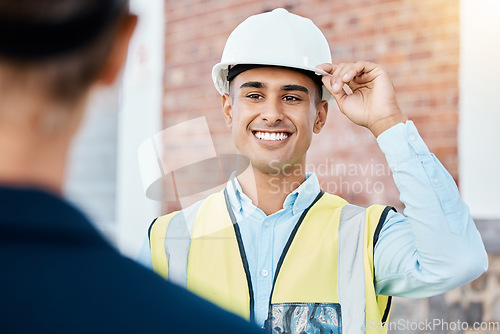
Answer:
(227, 109)
(321, 113)
(119, 51)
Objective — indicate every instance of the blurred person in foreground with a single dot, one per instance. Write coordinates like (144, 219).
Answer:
(58, 275)
(275, 248)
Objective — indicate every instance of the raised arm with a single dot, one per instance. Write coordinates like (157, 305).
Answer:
(435, 245)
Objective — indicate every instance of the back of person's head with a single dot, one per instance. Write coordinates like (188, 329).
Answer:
(56, 49)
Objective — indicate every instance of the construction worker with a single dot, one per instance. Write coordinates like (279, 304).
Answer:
(292, 258)
(58, 274)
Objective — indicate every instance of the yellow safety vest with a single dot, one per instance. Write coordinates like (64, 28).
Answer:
(325, 271)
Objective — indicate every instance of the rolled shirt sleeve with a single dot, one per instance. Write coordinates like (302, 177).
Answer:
(434, 246)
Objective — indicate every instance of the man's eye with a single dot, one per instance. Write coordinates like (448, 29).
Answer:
(254, 96)
(290, 98)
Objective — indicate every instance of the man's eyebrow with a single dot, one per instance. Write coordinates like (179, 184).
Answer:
(295, 87)
(253, 84)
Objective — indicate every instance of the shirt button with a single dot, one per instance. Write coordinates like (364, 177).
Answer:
(267, 224)
(412, 138)
(264, 273)
(435, 180)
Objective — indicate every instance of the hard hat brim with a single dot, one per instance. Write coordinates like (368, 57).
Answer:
(220, 71)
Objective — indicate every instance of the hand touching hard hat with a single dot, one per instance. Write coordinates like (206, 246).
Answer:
(372, 102)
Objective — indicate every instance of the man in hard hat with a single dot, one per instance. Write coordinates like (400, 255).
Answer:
(58, 274)
(293, 258)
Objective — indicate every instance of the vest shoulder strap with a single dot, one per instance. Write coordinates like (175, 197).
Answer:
(170, 238)
(358, 233)
(157, 232)
(376, 216)
(216, 269)
(351, 269)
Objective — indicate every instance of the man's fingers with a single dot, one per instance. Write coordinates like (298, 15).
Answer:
(327, 67)
(338, 94)
(353, 72)
(346, 73)
(336, 79)
(327, 82)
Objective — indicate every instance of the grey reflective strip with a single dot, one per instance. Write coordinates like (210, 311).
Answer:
(178, 242)
(351, 274)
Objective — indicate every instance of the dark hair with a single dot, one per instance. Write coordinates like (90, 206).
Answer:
(60, 44)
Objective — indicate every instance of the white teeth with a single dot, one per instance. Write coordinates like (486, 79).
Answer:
(271, 135)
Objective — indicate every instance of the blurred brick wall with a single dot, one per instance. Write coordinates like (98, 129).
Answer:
(417, 41)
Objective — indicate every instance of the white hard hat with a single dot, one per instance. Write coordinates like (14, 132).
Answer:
(276, 38)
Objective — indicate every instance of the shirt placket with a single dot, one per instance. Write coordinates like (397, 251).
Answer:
(265, 262)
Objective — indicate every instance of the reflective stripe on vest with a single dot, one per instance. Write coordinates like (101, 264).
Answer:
(328, 259)
(350, 268)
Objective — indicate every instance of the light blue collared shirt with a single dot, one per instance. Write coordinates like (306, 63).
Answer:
(264, 237)
(432, 248)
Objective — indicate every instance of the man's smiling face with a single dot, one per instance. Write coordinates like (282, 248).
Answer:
(273, 112)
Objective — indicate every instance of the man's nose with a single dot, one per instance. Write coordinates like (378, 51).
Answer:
(272, 112)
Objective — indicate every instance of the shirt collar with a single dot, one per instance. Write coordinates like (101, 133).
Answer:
(298, 200)
(237, 197)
